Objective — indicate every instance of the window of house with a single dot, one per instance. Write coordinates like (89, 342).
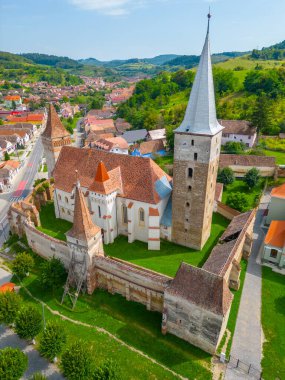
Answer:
(192, 142)
(273, 253)
(124, 214)
(141, 217)
(190, 172)
(248, 137)
(99, 211)
(195, 156)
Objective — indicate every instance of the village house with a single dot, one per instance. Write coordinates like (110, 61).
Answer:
(92, 124)
(122, 126)
(92, 137)
(276, 207)
(30, 128)
(238, 131)
(9, 100)
(274, 243)
(149, 149)
(157, 134)
(135, 136)
(22, 134)
(8, 146)
(8, 170)
(112, 145)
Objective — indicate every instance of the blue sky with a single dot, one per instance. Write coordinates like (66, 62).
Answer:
(109, 29)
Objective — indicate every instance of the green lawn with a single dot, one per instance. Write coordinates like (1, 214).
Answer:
(240, 186)
(130, 322)
(273, 324)
(52, 226)
(168, 259)
(280, 156)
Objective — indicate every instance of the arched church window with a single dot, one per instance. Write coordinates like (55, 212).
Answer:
(124, 214)
(141, 217)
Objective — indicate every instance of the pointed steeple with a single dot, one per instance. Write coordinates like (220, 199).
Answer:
(83, 228)
(101, 173)
(54, 127)
(200, 116)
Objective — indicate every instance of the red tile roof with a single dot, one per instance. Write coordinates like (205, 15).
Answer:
(278, 192)
(138, 174)
(276, 234)
(238, 127)
(12, 97)
(246, 160)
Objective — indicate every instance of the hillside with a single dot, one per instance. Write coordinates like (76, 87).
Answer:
(17, 68)
(274, 52)
(245, 89)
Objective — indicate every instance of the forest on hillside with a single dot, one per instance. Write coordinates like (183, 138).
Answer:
(258, 97)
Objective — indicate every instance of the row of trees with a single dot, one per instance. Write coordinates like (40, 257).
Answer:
(76, 357)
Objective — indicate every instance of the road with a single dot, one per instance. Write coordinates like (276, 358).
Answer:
(22, 185)
(80, 133)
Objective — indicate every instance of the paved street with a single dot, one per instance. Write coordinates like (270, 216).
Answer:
(21, 186)
(247, 341)
(36, 363)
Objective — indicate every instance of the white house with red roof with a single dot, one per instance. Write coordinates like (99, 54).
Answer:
(276, 207)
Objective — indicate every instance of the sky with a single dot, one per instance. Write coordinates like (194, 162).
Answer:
(121, 29)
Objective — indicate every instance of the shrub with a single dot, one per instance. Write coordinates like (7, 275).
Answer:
(53, 273)
(13, 363)
(233, 147)
(38, 181)
(107, 371)
(46, 185)
(28, 322)
(10, 303)
(38, 376)
(22, 264)
(77, 362)
(226, 176)
(51, 180)
(52, 340)
(238, 201)
(40, 190)
(252, 177)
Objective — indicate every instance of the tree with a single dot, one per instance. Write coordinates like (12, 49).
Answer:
(237, 201)
(22, 264)
(77, 361)
(53, 273)
(233, 147)
(252, 177)
(28, 322)
(107, 371)
(6, 156)
(10, 303)
(262, 116)
(14, 106)
(226, 176)
(53, 339)
(13, 363)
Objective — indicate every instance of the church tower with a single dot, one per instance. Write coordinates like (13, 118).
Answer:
(54, 137)
(197, 144)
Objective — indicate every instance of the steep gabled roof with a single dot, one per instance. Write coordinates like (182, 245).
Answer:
(54, 127)
(276, 234)
(278, 191)
(200, 116)
(206, 290)
(83, 228)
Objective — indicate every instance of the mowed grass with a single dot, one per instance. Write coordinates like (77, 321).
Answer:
(240, 186)
(131, 323)
(280, 156)
(273, 324)
(168, 259)
(52, 226)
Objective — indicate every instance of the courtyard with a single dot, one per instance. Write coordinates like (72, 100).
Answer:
(165, 261)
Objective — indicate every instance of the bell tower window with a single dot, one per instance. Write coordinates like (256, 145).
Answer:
(190, 172)
(195, 156)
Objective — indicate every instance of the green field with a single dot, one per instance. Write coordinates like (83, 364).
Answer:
(240, 186)
(168, 259)
(280, 156)
(132, 324)
(273, 324)
(52, 226)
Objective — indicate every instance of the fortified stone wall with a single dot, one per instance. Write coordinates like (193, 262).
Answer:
(132, 282)
(226, 211)
(47, 246)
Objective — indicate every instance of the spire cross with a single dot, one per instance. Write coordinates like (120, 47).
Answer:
(209, 17)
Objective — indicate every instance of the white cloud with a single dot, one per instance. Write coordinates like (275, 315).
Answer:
(111, 7)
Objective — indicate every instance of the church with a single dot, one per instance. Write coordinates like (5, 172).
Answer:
(133, 196)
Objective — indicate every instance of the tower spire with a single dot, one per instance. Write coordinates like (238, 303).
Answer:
(200, 116)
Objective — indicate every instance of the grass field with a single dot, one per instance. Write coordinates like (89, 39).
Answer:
(273, 324)
(280, 156)
(240, 186)
(168, 259)
(131, 323)
(52, 226)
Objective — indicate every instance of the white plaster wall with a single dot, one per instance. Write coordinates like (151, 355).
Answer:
(250, 140)
(276, 210)
(119, 151)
